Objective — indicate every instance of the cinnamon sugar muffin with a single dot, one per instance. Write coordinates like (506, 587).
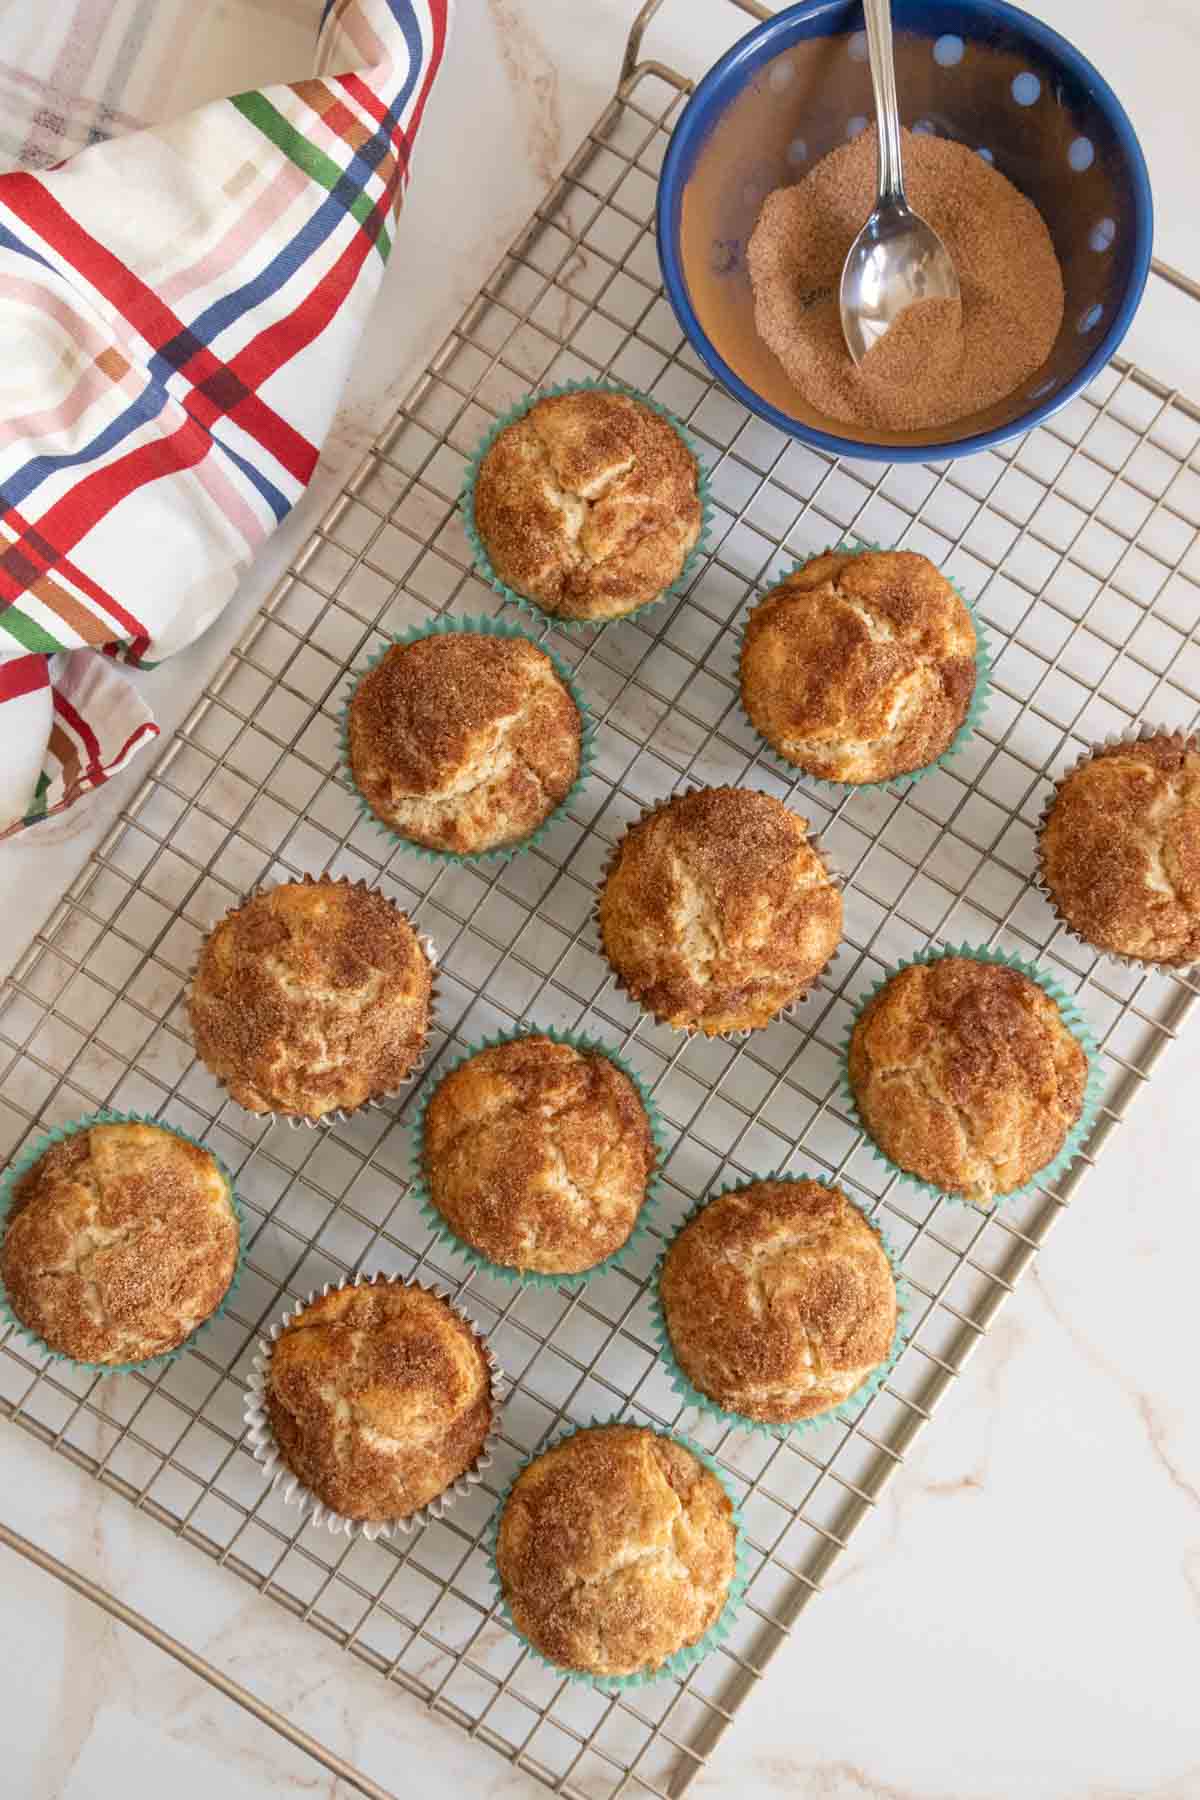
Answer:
(1120, 849)
(717, 911)
(859, 666)
(538, 1155)
(464, 741)
(588, 504)
(778, 1300)
(379, 1397)
(311, 996)
(966, 1075)
(615, 1550)
(119, 1243)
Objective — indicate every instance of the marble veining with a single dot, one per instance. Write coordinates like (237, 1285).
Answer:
(533, 77)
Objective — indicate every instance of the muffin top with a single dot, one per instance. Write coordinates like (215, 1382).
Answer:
(859, 667)
(311, 996)
(588, 504)
(538, 1154)
(379, 1398)
(779, 1300)
(119, 1242)
(966, 1075)
(1120, 850)
(464, 741)
(717, 911)
(616, 1548)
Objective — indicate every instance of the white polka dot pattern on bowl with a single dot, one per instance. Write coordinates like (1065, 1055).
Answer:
(948, 50)
(1081, 155)
(1026, 88)
(1102, 234)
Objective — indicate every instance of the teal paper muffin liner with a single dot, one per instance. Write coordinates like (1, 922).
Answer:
(847, 1410)
(895, 784)
(1072, 1018)
(483, 563)
(485, 628)
(683, 1661)
(25, 1162)
(537, 1277)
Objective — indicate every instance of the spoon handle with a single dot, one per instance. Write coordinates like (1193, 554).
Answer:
(878, 15)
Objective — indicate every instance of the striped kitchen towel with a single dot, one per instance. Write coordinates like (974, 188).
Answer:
(178, 310)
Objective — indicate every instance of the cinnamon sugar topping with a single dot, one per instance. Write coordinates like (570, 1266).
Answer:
(310, 997)
(588, 504)
(538, 1154)
(616, 1549)
(463, 741)
(779, 1300)
(717, 912)
(859, 667)
(119, 1242)
(1120, 849)
(379, 1398)
(966, 1075)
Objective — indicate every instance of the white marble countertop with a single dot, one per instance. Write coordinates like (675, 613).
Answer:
(1021, 1616)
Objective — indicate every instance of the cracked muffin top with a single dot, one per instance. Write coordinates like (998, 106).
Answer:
(379, 1398)
(538, 1155)
(588, 504)
(311, 996)
(1120, 850)
(120, 1241)
(779, 1300)
(859, 667)
(463, 741)
(616, 1548)
(966, 1075)
(717, 912)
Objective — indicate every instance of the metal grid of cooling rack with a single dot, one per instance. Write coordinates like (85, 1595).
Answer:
(1080, 542)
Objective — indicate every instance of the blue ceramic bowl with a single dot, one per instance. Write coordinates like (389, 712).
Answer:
(979, 71)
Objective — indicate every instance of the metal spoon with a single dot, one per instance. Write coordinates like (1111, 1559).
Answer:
(896, 258)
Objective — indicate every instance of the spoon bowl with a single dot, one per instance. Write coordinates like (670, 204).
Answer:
(896, 261)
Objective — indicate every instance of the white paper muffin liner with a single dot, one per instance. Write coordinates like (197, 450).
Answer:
(266, 1452)
(339, 1114)
(1134, 734)
(837, 879)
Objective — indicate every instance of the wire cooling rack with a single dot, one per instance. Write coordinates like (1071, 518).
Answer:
(1080, 542)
